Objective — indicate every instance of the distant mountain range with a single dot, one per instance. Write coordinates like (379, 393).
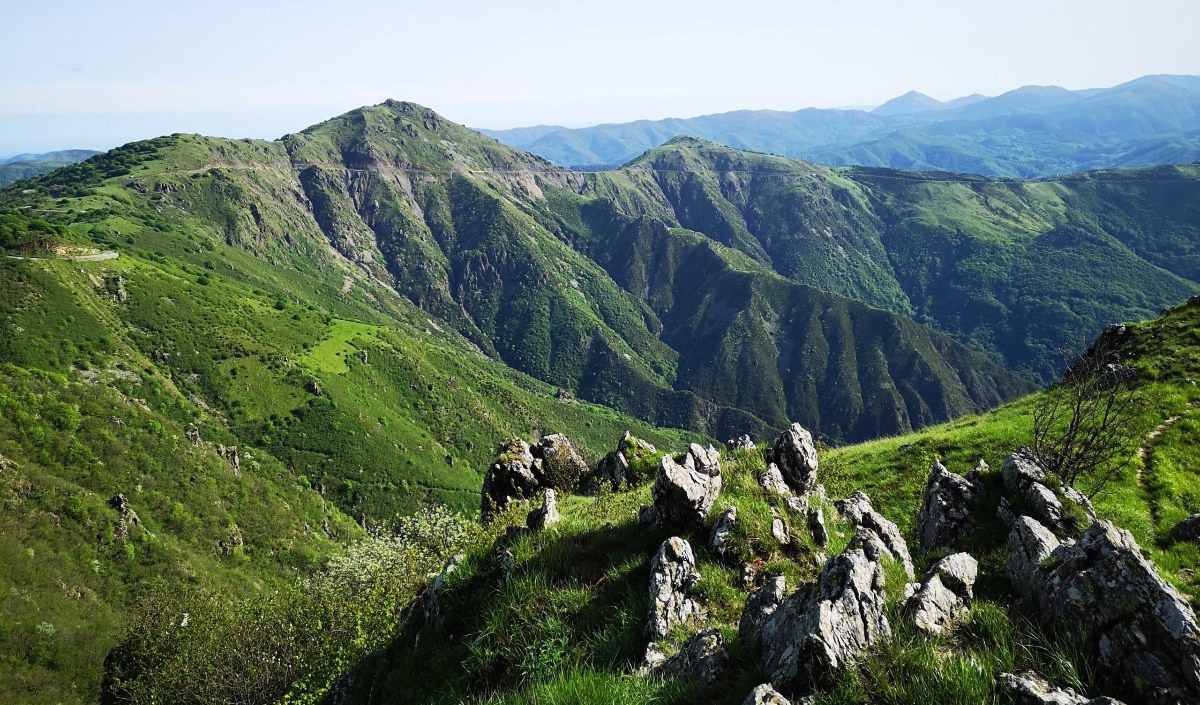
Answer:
(25, 166)
(1030, 132)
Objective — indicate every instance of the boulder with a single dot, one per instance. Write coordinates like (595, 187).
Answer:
(1028, 688)
(546, 515)
(613, 469)
(772, 481)
(765, 695)
(719, 540)
(946, 507)
(1045, 506)
(759, 607)
(684, 490)
(1020, 471)
(1030, 544)
(858, 511)
(827, 626)
(1187, 530)
(796, 456)
(701, 660)
(562, 465)
(816, 526)
(520, 471)
(944, 595)
(742, 442)
(780, 532)
(1140, 630)
(672, 575)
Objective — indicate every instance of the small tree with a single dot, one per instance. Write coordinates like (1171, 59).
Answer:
(1083, 425)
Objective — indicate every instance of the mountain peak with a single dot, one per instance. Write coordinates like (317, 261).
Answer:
(910, 102)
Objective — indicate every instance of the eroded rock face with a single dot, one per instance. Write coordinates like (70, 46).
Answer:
(546, 515)
(795, 454)
(126, 516)
(946, 507)
(684, 490)
(830, 625)
(614, 469)
(718, 541)
(672, 576)
(765, 695)
(1030, 544)
(1028, 688)
(759, 607)
(944, 595)
(701, 660)
(858, 511)
(1142, 631)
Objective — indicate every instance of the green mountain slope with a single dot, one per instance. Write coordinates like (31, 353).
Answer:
(25, 166)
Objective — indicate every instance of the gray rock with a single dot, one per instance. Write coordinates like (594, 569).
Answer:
(672, 576)
(701, 660)
(684, 490)
(1140, 630)
(614, 469)
(1020, 471)
(742, 442)
(946, 507)
(718, 540)
(944, 595)
(759, 607)
(427, 603)
(1070, 494)
(126, 516)
(816, 526)
(1045, 506)
(1028, 688)
(858, 511)
(772, 481)
(780, 532)
(1005, 512)
(1030, 544)
(796, 456)
(562, 465)
(828, 626)
(546, 515)
(1187, 530)
(765, 695)
(520, 471)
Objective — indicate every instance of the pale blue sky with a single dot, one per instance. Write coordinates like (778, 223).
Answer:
(97, 74)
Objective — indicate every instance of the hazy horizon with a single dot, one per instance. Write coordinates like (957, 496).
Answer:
(132, 70)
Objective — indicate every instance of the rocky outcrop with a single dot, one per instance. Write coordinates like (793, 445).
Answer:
(1030, 544)
(759, 607)
(672, 576)
(684, 490)
(816, 526)
(827, 626)
(193, 435)
(795, 454)
(742, 442)
(858, 511)
(701, 660)
(615, 467)
(427, 603)
(230, 454)
(1140, 630)
(772, 481)
(126, 516)
(946, 507)
(1187, 530)
(1028, 688)
(719, 540)
(1026, 479)
(765, 695)
(520, 471)
(546, 515)
(944, 596)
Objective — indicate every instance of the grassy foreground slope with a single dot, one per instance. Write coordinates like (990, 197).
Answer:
(564, 621)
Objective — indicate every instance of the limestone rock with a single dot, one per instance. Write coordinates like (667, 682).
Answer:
(780, 532)
(718, 541)
(796, 456)
(765, 695)
(742, 442)
(1020, 472)
(1044, 505)
(1187, 530)
(614, 469)
(828, 626)
(1028, 688)
(759, 607)
(672, 575)
(684, 490)
(701, 660)
(772, 481)
(546, 515)
(1030, 544)
(946, 508)
(944, 595)
(858, 511)
(816, 526)
(1140, 629)
(562, 465)
(520, 471)
(127, 517)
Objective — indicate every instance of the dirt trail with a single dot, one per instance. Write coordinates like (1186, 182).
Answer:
(1143, 452)
(98, 257)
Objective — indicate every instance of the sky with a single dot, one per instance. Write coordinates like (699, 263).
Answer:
(77, 74)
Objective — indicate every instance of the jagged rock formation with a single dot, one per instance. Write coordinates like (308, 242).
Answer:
(126, 516)
(765, 695)
(858, 511)
(684, 490)
(771, 480)
(520, 471)
(1024, 478)
(742, 442)
(701, 660)
(946, 507)
(546, 515)
(672, 575)
(427, 603)
(1030, 544)
(718, 541)
(827, 626)
(815, 518)
(779, 530)
(795, 455)
(1028, 688)
(759, 607)
(944, 595)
